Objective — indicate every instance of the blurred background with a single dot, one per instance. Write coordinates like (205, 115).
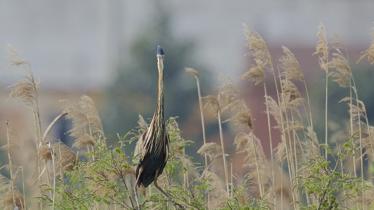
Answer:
(106, 49)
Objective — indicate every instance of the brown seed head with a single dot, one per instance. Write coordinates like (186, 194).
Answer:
(45, 152)
(13, 199)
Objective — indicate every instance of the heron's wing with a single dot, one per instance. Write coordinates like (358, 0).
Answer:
(143, 125)
(167, 142)
(139, 148)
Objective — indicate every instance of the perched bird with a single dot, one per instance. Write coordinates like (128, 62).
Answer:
(153, 145)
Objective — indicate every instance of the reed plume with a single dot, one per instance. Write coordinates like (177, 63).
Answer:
(292, 71)
(341, 72)
(87, 127)
(322, 51)
(368, 53)
(195, 74)
(255, 159)
(262, 60)
(217, 191)
(211, 149)
(27, 91)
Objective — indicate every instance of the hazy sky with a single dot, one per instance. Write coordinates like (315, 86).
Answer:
(74, 43)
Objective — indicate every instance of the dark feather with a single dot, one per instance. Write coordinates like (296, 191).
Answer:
(152, 160)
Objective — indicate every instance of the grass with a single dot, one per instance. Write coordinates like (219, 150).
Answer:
(301, 173)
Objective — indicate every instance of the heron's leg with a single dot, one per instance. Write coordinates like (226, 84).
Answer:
(161, 190)
(136, 197)
(136, 193)
(167, 195)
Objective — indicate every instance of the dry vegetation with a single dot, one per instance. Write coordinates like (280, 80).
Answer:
(302, 171)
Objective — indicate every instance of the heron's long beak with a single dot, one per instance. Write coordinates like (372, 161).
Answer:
(160, 58)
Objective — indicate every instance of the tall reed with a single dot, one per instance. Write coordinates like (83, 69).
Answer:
(322, 51)
(195, 74)
(212, 103)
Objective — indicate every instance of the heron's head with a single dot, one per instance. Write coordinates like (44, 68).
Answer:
(160, 51)
(160, 58)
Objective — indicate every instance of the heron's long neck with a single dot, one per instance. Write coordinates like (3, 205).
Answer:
(160, 93)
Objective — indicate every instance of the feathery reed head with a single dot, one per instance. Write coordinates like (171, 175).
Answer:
(249, 143)
(290, 65)
(368, 53)
(243, 119)
(322, 49)
(256, 74)
(87, 127)
(14, 58)
(89, 109)
(13, 199)
(241, 116)
(260, 55)
(45, 153)
(274, 109)
(84, 141)
(211, 149)
(258, 48)
(192, 71)
(25, 90)
(211, 103)
(290, 90)
(67, 158)
(217, 192)
(342, 71)
(312, 145)
(228, 96)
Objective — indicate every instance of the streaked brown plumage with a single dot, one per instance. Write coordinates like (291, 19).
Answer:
(153, 146)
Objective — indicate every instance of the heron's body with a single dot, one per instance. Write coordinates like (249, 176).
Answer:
(153, 156)
(153, 146)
